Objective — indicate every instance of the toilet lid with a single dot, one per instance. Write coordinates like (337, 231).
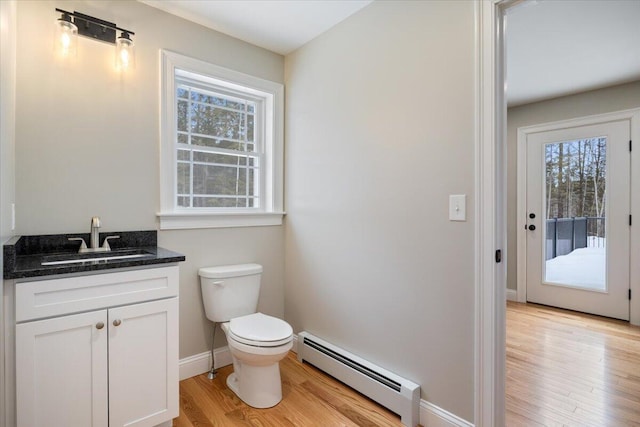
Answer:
(260, 328)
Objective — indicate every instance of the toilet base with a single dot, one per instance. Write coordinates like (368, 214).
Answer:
(256, 377)
(232, 383)
(257, 386)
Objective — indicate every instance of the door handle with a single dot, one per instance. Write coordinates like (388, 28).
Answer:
(532, 227)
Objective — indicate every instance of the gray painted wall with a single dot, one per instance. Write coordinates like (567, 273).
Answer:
(87, 143)
(379, 131)
(616, 98)
(7, 149)
(7, 115)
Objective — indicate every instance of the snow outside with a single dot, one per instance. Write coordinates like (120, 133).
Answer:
(575, 211)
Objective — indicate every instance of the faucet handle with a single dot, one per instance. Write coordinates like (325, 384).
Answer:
(83, 245)
(105, 244)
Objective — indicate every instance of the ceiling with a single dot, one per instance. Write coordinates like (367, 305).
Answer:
(554, 47)
(557, 48)
(280, 26)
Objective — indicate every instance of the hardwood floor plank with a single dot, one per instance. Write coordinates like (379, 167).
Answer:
(310, 398)
(563, 369)
(348, 407)
(182, 420)
(217, 390)
(192, 414)
(568, 368)
(299, 414)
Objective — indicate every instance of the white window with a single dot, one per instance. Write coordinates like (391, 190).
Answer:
(221, 153)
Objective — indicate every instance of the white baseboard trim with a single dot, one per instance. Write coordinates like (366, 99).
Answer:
(434, 416)
(512, 295)
(201, 363)
(430, 414)
(194, 365)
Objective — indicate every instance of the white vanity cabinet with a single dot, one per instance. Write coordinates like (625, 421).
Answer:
(98, 350)
(61, 371)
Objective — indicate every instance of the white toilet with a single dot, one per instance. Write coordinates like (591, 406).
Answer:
(257, 342)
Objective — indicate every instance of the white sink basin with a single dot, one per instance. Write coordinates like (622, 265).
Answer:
(97, 258)
(93, 257)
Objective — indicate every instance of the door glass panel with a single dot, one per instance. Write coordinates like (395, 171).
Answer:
(575, 198)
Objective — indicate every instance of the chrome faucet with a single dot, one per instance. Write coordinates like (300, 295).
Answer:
(95, 233)
(94, 241)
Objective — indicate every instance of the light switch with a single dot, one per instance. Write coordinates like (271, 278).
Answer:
(457, 207)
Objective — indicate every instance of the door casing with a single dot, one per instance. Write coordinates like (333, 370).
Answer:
(490, 286)
(633, 115)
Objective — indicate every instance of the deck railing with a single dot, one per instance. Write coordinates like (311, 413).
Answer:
(564, 235)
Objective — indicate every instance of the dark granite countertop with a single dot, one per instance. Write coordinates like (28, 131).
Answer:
(24, 255)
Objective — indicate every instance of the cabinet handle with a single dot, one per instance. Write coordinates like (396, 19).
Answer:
(99, 325)
(117, 322)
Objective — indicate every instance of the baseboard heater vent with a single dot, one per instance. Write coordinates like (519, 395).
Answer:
(391, 391)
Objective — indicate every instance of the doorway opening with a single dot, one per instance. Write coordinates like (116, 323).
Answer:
(557, 230)
(574, 202)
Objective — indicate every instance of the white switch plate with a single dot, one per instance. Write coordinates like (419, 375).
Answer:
(458, 207)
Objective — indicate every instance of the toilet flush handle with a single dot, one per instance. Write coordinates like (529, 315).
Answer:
(219, 283)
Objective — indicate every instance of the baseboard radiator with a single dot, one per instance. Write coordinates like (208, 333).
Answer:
(389, 390)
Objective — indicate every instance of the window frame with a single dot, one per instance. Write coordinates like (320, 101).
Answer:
(257, 154)
(173, 67)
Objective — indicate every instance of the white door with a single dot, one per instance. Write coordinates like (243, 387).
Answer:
(143, 363)
(578, 206)
(61, 371)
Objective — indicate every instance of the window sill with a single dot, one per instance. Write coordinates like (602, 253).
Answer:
(190, 220)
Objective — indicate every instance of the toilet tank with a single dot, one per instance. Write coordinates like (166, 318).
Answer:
(230, 291)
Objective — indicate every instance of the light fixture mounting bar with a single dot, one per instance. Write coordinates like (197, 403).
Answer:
(97, 29)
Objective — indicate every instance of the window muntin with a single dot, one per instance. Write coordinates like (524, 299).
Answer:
(190, 160)
(219, 152)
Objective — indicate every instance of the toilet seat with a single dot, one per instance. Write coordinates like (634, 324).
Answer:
(260, 330)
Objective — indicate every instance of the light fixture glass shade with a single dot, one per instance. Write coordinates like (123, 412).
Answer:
(66, 37)
(125, 52)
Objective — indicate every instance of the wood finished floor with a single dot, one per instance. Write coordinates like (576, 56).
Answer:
(563, 369)
(570, 369)
(310, 398)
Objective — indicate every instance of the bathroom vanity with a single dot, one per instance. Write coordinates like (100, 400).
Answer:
(94, 343)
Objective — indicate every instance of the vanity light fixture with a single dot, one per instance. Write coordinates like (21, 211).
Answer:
(97, 29)
(66, 38)
(125, 56)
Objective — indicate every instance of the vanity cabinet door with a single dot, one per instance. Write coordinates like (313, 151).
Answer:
(61, 371)
(143, 363)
